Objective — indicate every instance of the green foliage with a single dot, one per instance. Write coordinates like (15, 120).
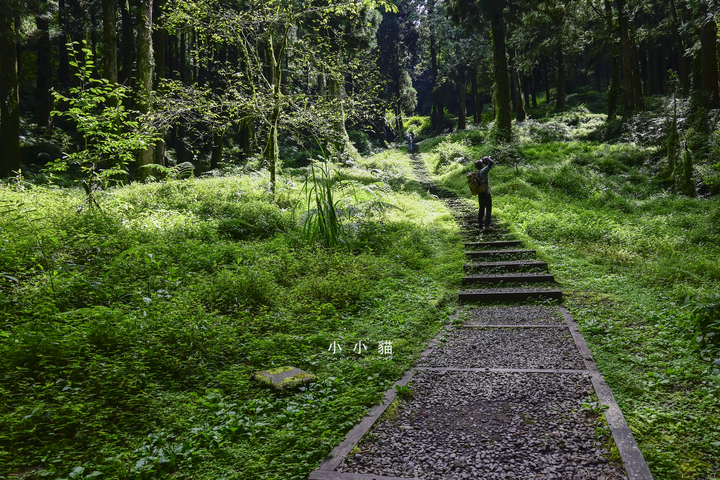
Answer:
(418, 125)
(111, 133)
(404, 391)
(706, 315)
(452, 152)
(128, 335)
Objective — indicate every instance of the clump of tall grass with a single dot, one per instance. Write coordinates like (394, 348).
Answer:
(322, 219)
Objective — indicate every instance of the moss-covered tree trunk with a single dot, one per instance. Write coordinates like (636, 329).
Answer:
(462, 90)
(503, 115)
(517, 101)
(534, 87)
(274, 78)
(614, 88)
(9, 96)
(160, 49)
(144, 68)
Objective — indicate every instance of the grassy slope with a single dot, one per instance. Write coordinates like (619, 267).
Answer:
(127, 336)
(627, 254)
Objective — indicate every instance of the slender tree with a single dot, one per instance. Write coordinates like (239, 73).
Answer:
(109, 14)
(9, 92)
(44, 65)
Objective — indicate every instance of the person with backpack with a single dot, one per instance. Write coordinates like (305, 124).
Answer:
(480, 185)
(410, 140)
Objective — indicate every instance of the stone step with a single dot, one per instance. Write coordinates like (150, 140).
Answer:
(508, 266)
(497, 243)
(507, 295)
(497, 253)
(508, 278)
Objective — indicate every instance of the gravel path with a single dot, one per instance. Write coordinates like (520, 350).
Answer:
(506, 348)
(515, 315)
(491, 426)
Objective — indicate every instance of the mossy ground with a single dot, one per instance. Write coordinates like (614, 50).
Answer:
(129, 334)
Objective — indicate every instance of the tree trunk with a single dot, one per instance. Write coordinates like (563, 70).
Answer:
(517, 93)
(144, 68)
(503, 120)
(533, 91)
(171, 59)
(217, 149)
(63, 59)
(629, 101)
(44, 67)
(637, 78)
(182, 59)
(680, 51)
(546, 81)
(159, 39)
(437, 114)
(127, 44)
(614, 88)
(708, 41)
(462, 87)
(526, 82)
(560, 105)
(477, 109)
(336, 90)
(271, 152)
(245, 139)
(9, 96)
(696, 81)
(110, 70)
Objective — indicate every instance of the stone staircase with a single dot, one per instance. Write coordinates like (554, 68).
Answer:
(499, 269)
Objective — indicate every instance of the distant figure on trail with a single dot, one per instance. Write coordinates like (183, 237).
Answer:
(485, 200)
(411, 136)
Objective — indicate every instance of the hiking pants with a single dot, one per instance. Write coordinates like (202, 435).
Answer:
(485, 201)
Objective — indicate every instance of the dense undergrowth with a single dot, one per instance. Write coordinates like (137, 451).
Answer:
(637, 261)
(128, 333)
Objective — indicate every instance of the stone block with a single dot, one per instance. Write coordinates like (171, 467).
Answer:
(281, 378)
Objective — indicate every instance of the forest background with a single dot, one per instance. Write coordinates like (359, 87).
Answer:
(194, 190)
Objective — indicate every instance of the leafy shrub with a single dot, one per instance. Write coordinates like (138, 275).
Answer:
(237, 289)
(508, 154)
(706, 317)
(476, 137)
(551, 131)
(418, 125)
(450, 152)
(610, 166)
(253, 219)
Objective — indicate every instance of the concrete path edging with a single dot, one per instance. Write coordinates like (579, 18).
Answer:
(632, 458)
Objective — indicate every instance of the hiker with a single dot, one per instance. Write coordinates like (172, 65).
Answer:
(410, 138)
(485, 200)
